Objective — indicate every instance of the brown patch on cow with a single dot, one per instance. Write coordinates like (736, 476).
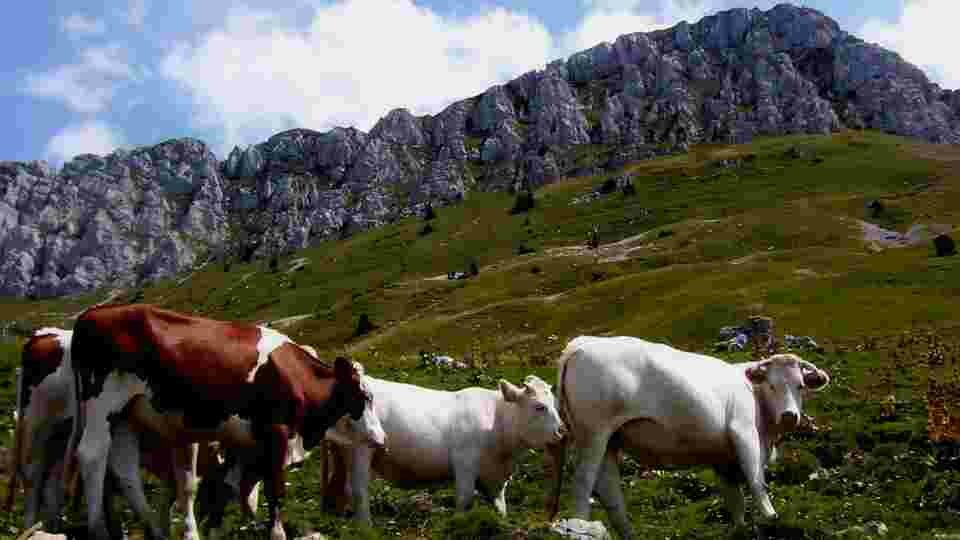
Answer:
(40, 357)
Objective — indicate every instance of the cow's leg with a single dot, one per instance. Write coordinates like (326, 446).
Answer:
(732, 495)
(610, 492)
(110, 515)
(52, 504)
(341, 481)
(35, 473)
(361, 461)
(125, 466)
(185, 469)
(591, 453)
(496, 491)
(92, 456)
(43, 483)
(465, 478)
(277, 438)
(749, 454)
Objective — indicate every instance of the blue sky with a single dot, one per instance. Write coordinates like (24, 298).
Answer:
(94, 75)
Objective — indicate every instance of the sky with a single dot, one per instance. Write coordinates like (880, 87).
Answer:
(92, 76)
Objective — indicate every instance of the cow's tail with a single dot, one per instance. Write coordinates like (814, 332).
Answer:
(557, 453)
(16, 461)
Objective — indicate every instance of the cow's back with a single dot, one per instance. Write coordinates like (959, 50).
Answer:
(616, 379)
(425, 428)
(186, 361)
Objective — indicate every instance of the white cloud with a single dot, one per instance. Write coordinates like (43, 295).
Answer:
(356, 60)
(918, 35)
(606, 20)
(136, 12)
(79, 25)
(601, 25)
(91, 137)
(87, 86)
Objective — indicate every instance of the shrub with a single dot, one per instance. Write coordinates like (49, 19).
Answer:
(481, 522)
(364, 326)
(523, 203)
(628, 189)
(473, 269)
(428, 212)
(524, 249)
(608, 186)
(274, 263)
(425, 230)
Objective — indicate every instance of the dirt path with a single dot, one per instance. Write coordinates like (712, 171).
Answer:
(885, 238)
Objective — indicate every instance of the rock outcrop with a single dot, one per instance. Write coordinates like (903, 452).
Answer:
(132, 216)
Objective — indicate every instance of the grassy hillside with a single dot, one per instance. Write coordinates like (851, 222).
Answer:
(708, 239)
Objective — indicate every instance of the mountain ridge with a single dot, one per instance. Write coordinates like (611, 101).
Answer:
(142, 214)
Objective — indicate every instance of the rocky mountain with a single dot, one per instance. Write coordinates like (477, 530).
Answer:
(152, 212)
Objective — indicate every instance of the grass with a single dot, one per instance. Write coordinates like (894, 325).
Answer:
(697, 248)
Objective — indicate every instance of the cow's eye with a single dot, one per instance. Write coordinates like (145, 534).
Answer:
(541, 408)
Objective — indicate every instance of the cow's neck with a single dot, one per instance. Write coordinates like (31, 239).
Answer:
(506, 431)
(319, 418)
(766, 422)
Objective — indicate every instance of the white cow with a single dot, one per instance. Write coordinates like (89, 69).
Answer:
(670, 407)
(472, 436)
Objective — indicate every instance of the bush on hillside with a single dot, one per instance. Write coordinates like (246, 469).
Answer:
(523, 203)
(524, 249)
(364, 326)
(428, 212)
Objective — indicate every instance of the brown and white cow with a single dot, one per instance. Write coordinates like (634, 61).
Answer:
(183, 377)
(669, 407)
(44, 410)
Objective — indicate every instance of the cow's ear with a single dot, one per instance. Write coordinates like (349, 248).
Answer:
(342, 369)
(510, 392)
(758, 373)
(815, 379)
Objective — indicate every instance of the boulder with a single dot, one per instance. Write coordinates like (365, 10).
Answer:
(578, 529)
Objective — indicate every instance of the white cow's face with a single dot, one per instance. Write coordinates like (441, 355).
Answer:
(781, 381)
(537, 417)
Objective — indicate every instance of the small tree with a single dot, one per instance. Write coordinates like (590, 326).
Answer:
(523, 203)
(364, 326)
(593, 238)
(428, 212)
(425, 230)
(274, 263)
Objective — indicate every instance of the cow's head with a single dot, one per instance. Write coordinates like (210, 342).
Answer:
(538, 421)
(781, 381)
(361, 416)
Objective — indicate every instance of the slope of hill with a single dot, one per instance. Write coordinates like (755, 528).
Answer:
(709, 237)
(136, 216)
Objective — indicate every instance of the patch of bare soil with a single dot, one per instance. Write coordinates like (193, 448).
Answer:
(287, 322)
(879, 238)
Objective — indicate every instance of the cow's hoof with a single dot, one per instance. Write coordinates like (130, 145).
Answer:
(277, 532)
